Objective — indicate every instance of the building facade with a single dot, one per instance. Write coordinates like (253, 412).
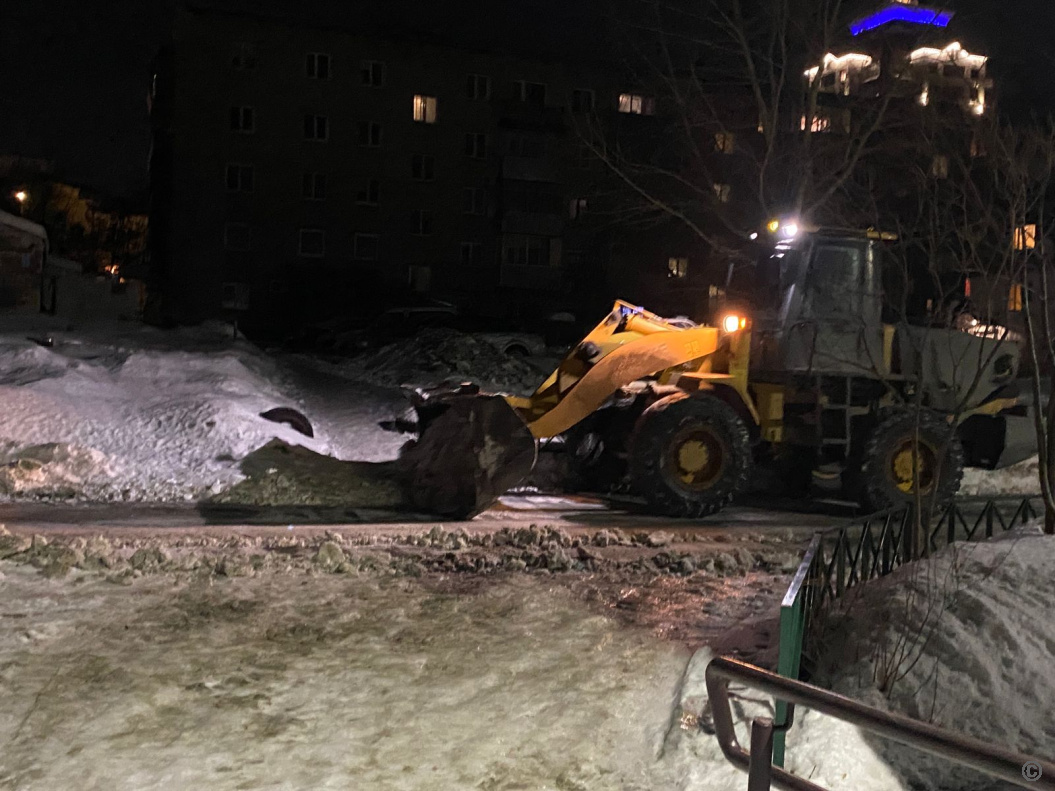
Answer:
(302, 170)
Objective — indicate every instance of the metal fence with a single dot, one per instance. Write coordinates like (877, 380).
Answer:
(997, 762)
(841, 558)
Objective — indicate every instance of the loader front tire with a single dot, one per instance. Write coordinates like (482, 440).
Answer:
(690, 455)
(887, 477)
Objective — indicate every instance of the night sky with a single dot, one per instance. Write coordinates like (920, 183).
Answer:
(76, 72)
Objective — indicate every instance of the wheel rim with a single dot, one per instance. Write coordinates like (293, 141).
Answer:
(697, 457)
(901, 466)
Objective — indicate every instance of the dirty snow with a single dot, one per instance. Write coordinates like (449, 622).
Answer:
(437, 355)
(309, 680)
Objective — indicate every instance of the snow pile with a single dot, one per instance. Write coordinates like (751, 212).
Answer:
(438, 355)
(964, 640)
(1021, 478)
(127, 412)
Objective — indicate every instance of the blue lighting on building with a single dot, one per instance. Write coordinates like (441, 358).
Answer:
(900, 12)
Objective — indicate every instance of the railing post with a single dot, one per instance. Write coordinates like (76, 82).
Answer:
(760, 772)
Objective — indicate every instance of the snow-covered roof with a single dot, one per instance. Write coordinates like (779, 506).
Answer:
(24, 225)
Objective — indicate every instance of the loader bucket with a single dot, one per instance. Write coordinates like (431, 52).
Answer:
(471, 449)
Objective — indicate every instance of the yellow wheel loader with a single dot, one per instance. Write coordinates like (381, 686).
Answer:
(810, 377)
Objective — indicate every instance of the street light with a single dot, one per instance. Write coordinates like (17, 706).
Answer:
(21, 196)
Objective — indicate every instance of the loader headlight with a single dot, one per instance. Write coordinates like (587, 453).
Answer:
(733, 322)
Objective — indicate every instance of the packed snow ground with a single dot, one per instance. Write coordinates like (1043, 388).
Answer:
(121, 411)
(341, 680)
(263, 672)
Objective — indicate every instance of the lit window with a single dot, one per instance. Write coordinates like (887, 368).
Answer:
(939, 167)
(474, 200)
(722, 192)
(724, 142)
(237, 236)
(530, 92)
(1026, 237)
(478, 87)
(239, 178)
(243, 119)
(316, 127)
(425, 109)
(312, 243)
(370, 194)
(422, 167)
(677, 267)
(1014, 298)
(373, 73)
(419, 277)
(577, 208)
(317, 65)
(476, 145)
(421, 222)
(314, 186)
(369, 134)
(366, 246)
(819, 123)
(471, 253)
(636, 104)
(582, 100)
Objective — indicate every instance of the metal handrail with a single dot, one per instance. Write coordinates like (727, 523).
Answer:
(997, 762)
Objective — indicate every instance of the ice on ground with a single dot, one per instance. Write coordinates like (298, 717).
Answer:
(338, 681)
(964, 640)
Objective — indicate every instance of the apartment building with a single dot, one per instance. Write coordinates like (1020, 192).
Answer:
(303, 169)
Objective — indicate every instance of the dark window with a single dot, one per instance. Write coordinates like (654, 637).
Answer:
(422, 166)
(476, 145)
(234, 296)
(835, 280)
(373, 73)
(317, 65)
(474, 200)
(242, 119)
(530, 92)
(370, 194)
(239, 178)
(577, 208)
(366, 246)
(521, 250)
(421, 222)
(478, 87)
(312, 242)
(582, 100)
(369, 133)
(316, 127)
(314, 186)
(471, 255)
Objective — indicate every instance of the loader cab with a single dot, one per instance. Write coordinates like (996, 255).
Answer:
(815, 301)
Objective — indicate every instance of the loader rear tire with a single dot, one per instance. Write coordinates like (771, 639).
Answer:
(690, 455)
(885, 475)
